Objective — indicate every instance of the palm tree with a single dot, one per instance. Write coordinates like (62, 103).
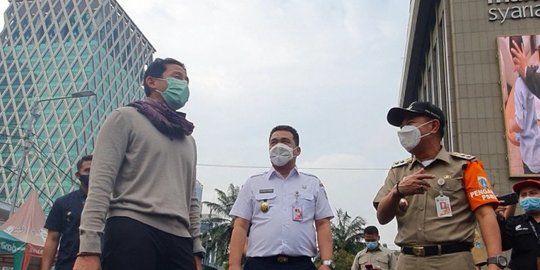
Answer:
(347, 232)
(219, 224)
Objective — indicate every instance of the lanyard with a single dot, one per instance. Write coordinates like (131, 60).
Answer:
(534, 230)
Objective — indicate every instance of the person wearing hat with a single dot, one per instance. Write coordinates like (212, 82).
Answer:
(436, 197)
(520, 233)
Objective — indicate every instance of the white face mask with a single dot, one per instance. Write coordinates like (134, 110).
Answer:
(410, 136)
(280, 154)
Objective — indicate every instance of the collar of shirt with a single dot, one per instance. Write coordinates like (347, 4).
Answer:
(442, 155)
(375, 250)
(275, 174)
(530, 218)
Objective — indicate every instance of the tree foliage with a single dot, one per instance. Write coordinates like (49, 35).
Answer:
(219, 224)
(347, 232)
(344, 259)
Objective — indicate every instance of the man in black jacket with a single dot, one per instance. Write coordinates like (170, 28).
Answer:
(521, 233)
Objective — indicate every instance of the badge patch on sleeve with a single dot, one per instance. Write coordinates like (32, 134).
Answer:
(477, 185)
(483, 182)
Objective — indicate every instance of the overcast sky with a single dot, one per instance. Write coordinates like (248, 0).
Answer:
(329, 68)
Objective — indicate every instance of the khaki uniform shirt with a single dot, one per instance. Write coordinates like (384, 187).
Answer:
(382, 258)
(420, 224)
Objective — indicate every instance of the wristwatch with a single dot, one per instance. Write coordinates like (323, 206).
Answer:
(329, 263)
(499, 260)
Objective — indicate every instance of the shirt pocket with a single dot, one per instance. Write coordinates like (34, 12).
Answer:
(307, 202)
(381, 263)
(362, 261)
(269, 198)
(452, 188)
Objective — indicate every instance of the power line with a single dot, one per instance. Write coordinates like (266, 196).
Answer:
(25, 174)
(307, 168)
(46, 159)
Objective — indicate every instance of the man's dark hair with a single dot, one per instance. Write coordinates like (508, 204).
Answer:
(290, 129)
(371, 230)
(156, 69)
(83, 159)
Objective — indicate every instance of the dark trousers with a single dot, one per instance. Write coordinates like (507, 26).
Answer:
(270, 263)
(132, 245)
(526, 169)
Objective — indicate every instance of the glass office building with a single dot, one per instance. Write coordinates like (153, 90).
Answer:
(52, 49)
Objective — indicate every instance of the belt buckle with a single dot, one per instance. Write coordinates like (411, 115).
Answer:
(419, 251)
(282, 259)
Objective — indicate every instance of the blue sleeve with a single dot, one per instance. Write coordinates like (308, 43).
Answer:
(519, 102)
(54, 220)
(322, 206)
(243, 206)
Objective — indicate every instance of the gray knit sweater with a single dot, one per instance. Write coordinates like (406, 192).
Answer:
(138, 172)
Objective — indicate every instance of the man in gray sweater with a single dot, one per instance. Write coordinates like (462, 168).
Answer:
(141, 199)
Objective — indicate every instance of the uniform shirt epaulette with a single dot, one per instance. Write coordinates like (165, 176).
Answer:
(401, 162)
(462, 155)
(308, 174)
(257, 175)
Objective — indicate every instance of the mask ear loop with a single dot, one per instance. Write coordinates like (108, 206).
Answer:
(427, 134)
(161, 79)
(433, 120)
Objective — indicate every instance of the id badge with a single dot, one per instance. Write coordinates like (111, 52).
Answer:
(297, 213)
(443, 206)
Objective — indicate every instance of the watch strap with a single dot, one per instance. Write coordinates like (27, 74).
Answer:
(497, 260)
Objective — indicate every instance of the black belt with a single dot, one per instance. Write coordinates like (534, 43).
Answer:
(424, 251)
(283, 259)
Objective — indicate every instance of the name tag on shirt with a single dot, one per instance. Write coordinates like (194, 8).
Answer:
(443, 206)
(297, 213)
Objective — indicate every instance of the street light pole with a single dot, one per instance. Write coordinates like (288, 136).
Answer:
(27, 138)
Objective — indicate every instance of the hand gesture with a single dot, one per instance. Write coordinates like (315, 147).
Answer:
(415, 183)
(519, 58)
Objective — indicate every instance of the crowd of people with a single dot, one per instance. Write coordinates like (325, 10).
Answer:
(137, 209)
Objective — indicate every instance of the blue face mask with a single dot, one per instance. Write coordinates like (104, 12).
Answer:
(177, 93)
(84, 179)
(371, 245)
(530, 204)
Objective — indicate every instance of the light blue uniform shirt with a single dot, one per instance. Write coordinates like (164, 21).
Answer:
(529, 137)
(276, 232)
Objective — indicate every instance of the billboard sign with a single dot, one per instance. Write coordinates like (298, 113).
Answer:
(519, 59)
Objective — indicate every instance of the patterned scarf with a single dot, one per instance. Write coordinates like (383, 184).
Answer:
(171, 123)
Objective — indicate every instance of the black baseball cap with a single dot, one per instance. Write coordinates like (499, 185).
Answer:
(397, 114)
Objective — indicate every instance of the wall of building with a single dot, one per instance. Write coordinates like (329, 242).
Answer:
(480, 125)
(452, 60)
